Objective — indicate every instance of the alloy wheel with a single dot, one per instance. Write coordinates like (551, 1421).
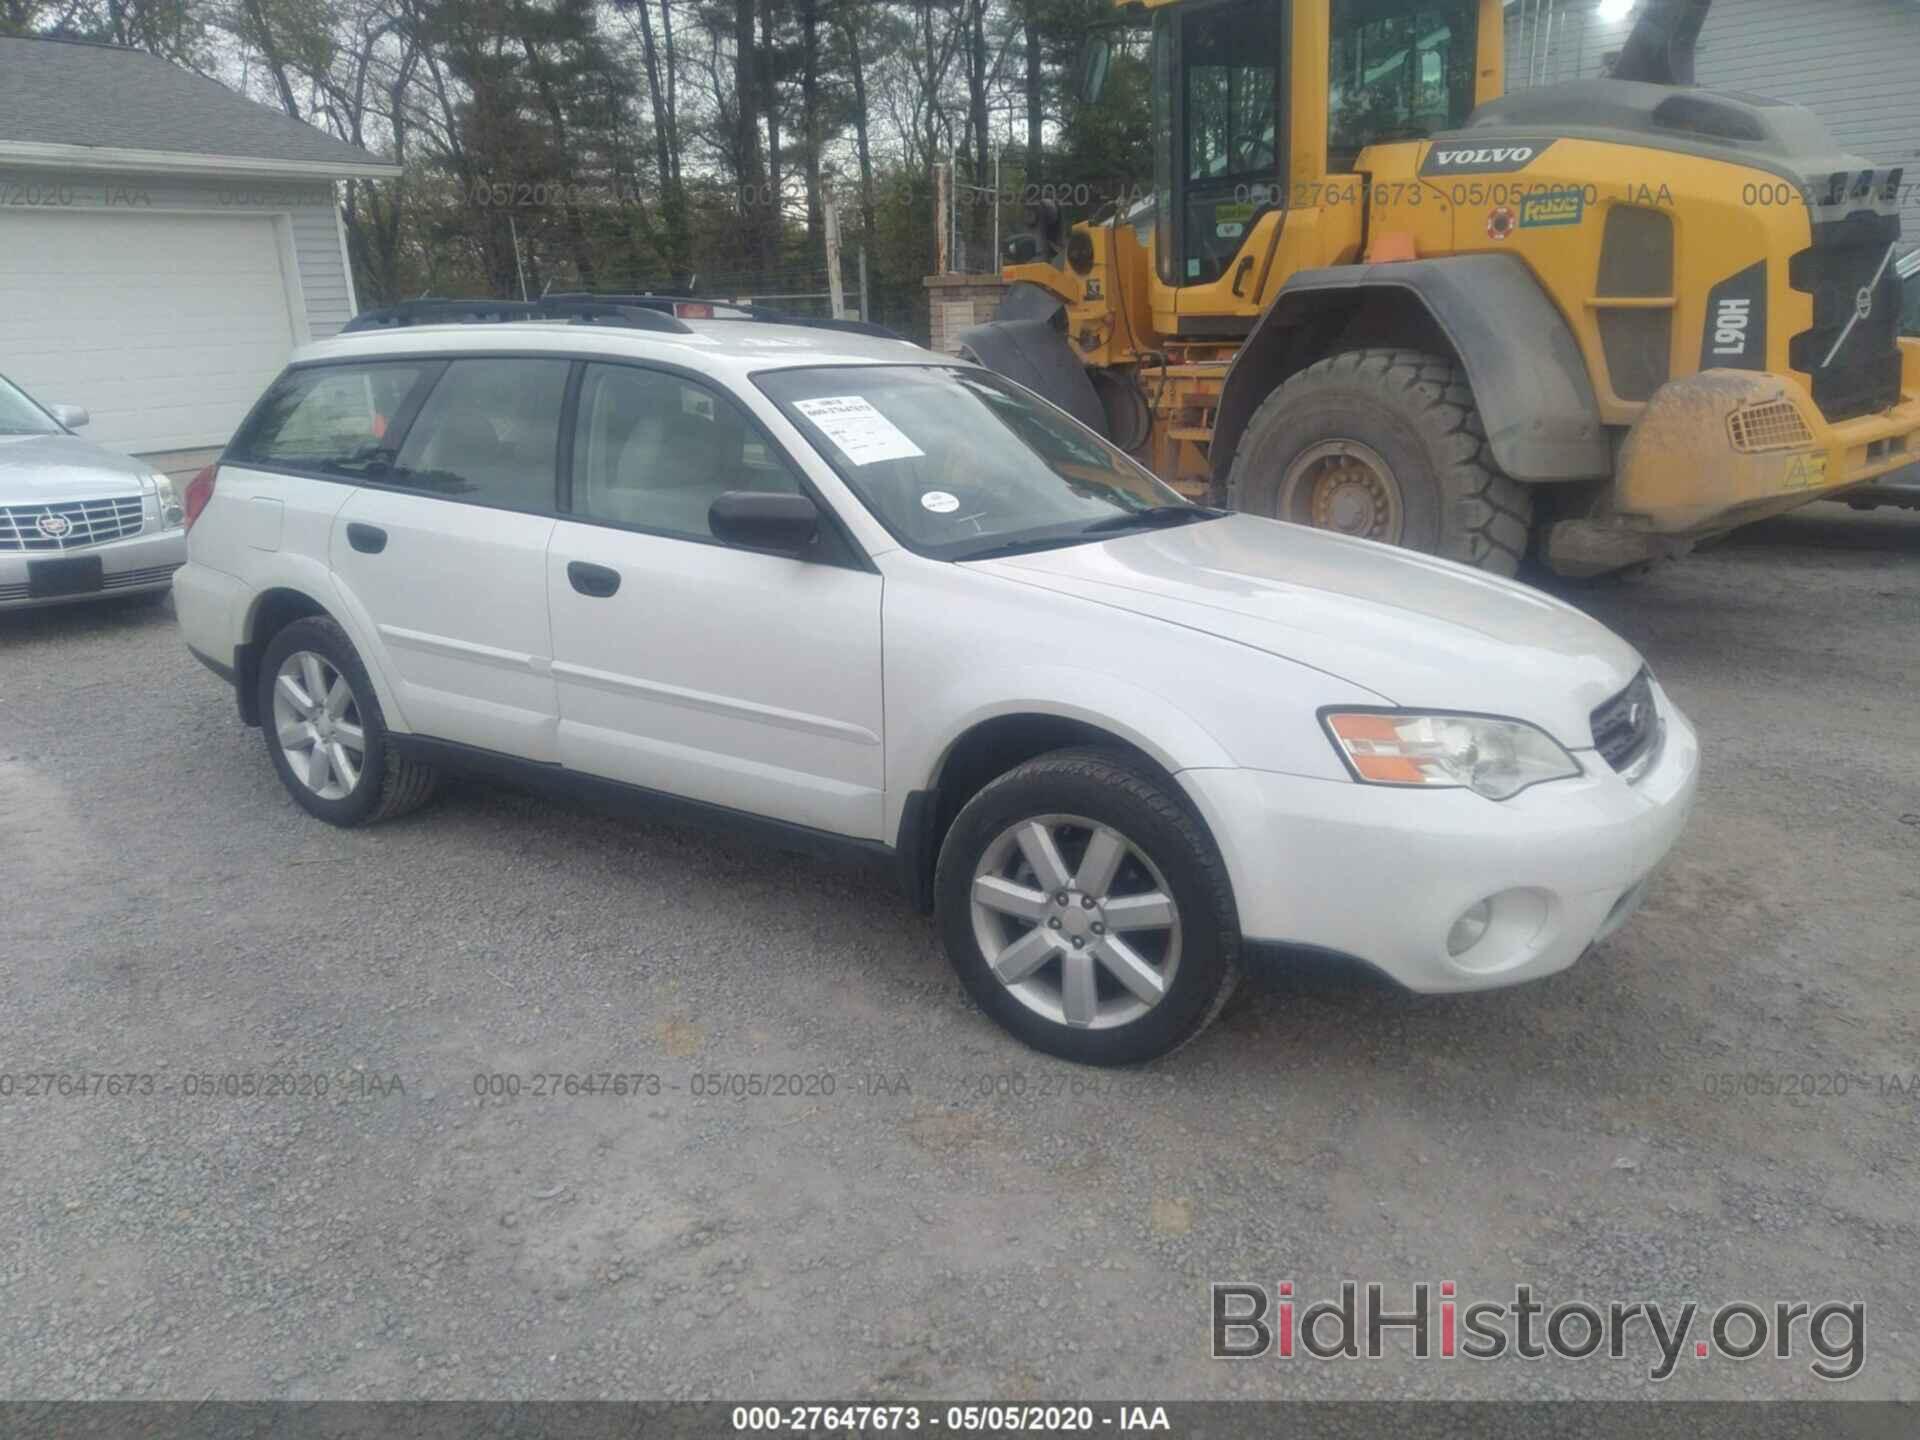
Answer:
(316, 718)
(1075, 921)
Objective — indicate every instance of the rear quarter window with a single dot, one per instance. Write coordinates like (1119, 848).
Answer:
(334, 419)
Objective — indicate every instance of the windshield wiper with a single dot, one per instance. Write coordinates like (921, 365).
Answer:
(1157, 518)
(1003, 548)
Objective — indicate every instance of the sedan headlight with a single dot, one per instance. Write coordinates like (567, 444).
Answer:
(1491, 757)
(166, 504)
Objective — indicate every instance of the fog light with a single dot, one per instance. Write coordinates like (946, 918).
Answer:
(1468, 930)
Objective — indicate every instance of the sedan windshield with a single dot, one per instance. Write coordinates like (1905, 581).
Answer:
(961, 465)
(20, 416)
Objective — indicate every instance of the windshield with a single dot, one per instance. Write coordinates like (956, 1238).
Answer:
(959, 464)
(1400, 70)
(20, 416)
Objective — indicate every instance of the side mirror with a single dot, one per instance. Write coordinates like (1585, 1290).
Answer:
(71, 416)
(764, 520)
(1096, 59)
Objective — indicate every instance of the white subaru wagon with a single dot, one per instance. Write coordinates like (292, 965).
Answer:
(865, 599)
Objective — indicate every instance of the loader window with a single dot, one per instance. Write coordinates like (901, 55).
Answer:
(1230, 116)
(1228, 123)
(1399, 70)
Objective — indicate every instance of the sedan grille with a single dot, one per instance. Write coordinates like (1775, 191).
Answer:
(124, 580)
(1626, 726)
(70, 524)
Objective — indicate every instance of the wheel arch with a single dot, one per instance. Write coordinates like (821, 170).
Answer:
(987, 747)
(1486, 312)
(277, 606)
(270, 611)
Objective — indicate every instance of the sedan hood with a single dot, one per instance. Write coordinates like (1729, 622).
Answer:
(36, 468)
(1424, 633)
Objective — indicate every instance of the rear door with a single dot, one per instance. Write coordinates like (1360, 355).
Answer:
(444, 556)
(687, 665)
(314, 437)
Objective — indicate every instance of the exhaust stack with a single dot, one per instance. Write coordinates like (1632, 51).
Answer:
(1659, 51)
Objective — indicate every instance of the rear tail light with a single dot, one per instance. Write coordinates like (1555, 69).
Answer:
(199, 492)
(693, 310)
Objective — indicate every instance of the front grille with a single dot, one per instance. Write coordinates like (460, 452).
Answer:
(1852, 281)
(149, 575)
(88, 522)
(1770, 425)
(1626, 726)
(125, 580)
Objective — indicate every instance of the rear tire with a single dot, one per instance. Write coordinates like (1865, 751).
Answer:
(1161, 891)
(352, 731)
(1387, 445)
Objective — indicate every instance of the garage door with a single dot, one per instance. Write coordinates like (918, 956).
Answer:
(165, 327)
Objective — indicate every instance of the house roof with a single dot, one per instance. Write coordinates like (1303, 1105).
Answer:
(95, 106)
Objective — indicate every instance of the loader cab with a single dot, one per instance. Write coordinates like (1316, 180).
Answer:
(1234, 79)
(1217, 98)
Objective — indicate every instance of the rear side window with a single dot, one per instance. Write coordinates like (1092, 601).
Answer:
(329, 418)
(488, 434)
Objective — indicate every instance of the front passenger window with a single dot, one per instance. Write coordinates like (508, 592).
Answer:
(654, 451)
(488, 434)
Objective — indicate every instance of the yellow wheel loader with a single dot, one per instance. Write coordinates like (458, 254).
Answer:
(1598, 321)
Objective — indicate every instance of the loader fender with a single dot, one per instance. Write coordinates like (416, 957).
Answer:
(1528, 375)
(1025, 343)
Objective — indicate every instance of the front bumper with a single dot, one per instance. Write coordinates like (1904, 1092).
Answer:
(1381, 874)
(142, 562)
(1724, 447)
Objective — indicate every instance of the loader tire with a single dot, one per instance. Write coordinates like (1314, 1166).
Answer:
(1385, 445)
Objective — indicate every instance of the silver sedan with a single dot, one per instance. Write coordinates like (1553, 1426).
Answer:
(78, 522)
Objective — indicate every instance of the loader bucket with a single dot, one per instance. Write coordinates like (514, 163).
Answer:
(1024, 343)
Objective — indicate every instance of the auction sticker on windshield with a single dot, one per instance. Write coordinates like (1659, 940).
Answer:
(940, 502)
(864, 435)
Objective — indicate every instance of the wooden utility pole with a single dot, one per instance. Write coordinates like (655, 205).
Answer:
(942, 199)
(831, 217)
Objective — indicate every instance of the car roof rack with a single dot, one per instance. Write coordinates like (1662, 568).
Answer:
(662, 300)
(668, 303)
(574, 309)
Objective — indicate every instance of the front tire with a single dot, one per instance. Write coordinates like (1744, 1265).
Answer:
(1086, 910)
(325, 731)
(1386, 445)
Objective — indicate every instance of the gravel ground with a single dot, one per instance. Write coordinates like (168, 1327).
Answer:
(961, 1217)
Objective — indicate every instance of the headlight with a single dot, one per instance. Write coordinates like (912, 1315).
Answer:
(166, 503)
(1494, 758)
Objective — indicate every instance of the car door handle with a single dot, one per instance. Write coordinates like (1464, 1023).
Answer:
(367, 539)
(594, 580)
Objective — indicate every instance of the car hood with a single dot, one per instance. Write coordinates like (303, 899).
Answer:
(34, 468)
(1424, 633)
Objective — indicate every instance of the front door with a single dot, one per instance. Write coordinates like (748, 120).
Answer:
(689, 666)
(1219, 138)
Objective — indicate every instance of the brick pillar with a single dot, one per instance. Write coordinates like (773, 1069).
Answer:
(955, 302)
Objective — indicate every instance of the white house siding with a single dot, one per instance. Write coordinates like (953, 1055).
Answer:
(1854, 63)
(312, 294)
(308, 204)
